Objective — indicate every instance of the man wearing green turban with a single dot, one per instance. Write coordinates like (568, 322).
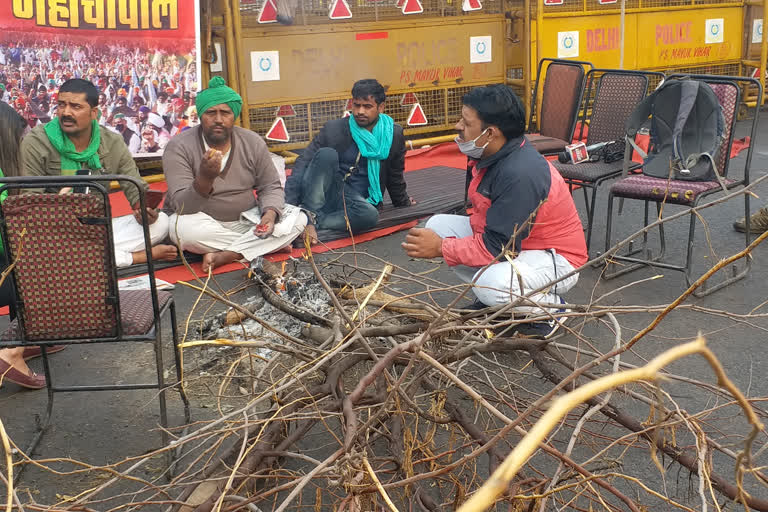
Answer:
(212, 171)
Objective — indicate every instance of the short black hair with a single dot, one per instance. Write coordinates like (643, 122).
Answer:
(369, 87)
(498, 105)
(80, 86)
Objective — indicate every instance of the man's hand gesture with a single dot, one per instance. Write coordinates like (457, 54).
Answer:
(152, 214)
(210, 166)
(267, 224)
(310, 234)
(423, 243)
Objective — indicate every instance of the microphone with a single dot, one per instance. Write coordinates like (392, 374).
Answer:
(565, 158)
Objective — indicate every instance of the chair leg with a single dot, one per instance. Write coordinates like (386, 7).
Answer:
(177, 355)
(636, 263)
(42, 425)
(704, 289)
(590, 215)
(161, 383)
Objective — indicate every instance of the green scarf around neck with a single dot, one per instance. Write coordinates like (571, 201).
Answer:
(71, 159)
(375, 147)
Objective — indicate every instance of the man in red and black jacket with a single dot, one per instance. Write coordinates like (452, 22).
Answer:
(516, 196)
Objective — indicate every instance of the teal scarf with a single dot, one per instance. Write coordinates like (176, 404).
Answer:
(71, 160)
(375, 147)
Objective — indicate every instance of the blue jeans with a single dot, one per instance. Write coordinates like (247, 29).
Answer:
(325, 194)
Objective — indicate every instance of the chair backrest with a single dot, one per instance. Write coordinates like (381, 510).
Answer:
(728, 96)
(728, 92)
(65, 284)
(560, 97)
(616, 95)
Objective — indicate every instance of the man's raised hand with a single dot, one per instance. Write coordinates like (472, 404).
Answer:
(210, 166)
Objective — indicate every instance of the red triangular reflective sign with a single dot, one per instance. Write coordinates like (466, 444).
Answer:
(286, 111)
(347, 113)
(268, 13)
(471, 5)
(408, 98)
(340, 10)
(417, 117)
(278, 132)
(412, 7)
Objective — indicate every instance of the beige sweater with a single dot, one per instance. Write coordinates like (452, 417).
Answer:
(248, 168)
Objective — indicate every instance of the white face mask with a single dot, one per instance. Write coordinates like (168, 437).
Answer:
(469, 147)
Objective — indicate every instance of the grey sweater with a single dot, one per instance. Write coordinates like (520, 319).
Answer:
(249, 168)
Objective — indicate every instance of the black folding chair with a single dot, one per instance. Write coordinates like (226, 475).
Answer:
(65, 281)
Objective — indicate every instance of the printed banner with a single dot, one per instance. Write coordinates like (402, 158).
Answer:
(142, 55)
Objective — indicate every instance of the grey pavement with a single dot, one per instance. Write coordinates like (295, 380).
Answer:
(104, 427)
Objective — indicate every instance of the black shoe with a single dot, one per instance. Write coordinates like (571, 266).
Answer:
(284, 20)
(476, 306)
(542, 330)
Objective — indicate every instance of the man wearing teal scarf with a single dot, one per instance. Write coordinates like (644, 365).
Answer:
(74, 141)
(342, 175)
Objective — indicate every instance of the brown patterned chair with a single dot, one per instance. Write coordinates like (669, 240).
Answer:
(65, 281)
(563, 81)
(686, 193)
(610, 96)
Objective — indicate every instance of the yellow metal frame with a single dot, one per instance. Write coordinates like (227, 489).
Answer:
(535, 19)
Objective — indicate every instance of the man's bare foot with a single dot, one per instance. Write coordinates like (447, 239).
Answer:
(216, 259)
(159, 252)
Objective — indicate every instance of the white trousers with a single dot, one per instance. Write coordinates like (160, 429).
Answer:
(500, 283)
(200, 233)
(129, 236)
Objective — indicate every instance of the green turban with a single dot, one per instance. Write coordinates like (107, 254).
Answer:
(216, 94)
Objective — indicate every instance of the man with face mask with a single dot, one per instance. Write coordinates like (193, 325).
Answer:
(74, 141)
(520, 203)
(345, 170)
(212, 171)
(129, 136)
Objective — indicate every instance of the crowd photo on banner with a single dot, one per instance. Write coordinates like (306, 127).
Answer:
(146, 80)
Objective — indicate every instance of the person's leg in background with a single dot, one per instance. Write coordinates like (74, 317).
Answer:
(351, 205)
(13, 366)
(129, 240)
(321, 184)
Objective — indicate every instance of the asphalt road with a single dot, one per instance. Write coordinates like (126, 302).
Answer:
(105, 427)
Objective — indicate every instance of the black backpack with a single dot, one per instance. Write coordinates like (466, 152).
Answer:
(687, 131)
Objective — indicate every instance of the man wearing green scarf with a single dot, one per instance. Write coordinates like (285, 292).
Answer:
(344, 172)
(74, 141)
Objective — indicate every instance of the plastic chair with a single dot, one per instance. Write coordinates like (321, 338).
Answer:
(686, 193)
(560, 99)
(65, 281)
(614, 94)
